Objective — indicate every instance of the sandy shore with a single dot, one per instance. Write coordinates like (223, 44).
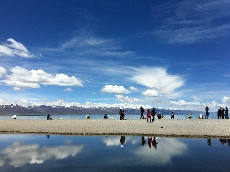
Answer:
(166, 127)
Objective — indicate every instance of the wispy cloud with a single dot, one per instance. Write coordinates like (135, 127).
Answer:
(191, 21)
(14, 49)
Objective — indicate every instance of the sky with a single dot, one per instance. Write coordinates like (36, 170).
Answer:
(171, 54)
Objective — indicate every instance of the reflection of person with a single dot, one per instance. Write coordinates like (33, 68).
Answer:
(122, 140)
(142, 112)
(48, 117)
(143, 141)
(149, 141)
(105, 116)
(154, 143)
(209, 142)
(206, 112)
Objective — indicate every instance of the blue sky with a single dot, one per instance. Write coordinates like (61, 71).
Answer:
(172, 54)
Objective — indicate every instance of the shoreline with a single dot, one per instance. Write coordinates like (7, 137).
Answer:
(191, 128)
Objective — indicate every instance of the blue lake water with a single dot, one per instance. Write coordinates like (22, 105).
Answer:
(98, 116)
(24, 152)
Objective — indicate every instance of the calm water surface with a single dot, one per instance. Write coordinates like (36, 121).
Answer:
(112, 153)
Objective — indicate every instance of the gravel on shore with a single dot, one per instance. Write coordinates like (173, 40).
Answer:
(197, 128)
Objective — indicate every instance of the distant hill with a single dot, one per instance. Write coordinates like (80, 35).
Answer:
(74, 110)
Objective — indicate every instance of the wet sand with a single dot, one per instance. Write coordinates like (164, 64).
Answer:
(197, 128)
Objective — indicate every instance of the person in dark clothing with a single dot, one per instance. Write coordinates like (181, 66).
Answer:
(222, 113)
(159, 115)
(122, 114)
(219, 113)
(142, 112)
(172, 115)
(105, 116)
(48, 117)
(226, 113)
(153, 113)
(206, 112)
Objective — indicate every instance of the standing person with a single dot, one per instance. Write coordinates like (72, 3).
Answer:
(226, 112)
(153, 113)
(222, 113)
(142, 112)
(172, 115)
(121, 112)
(148, 116)
(219, 113)
(206, 112)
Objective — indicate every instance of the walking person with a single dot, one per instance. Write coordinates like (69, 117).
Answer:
(142, 112)
(122, 114)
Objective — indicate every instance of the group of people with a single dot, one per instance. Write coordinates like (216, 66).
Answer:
(222, 113)
(150, 115)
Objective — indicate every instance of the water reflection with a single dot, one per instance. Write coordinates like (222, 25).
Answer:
(139, 152)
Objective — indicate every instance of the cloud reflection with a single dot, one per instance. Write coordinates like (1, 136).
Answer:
(166, 149)
(20, 154)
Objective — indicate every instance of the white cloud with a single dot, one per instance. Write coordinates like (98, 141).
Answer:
(2, 71)
(20, 154)
(151, 93)
(226, 101)
(23, 78)
(14, 49)
(126, 99)
(114, 89)
(159, 80)
(133, 88)
(68, 89)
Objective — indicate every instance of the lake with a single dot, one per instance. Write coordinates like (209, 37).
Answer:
(25, 152)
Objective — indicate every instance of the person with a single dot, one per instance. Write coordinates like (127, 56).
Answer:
(153, 113)
(219, 113)
(222, 113)
(105, 116)
(172, 115)
(142, 112)
(148, 116)
(87, 116)
(14, 116)
(201, 116)
(48, 117)
(190, 116)
(226, 112)
(122, 114)
(159, 115)
(206, 112)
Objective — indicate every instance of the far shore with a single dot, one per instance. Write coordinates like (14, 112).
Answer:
(196, 128)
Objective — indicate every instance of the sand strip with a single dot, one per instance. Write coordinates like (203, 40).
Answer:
(161, 128)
